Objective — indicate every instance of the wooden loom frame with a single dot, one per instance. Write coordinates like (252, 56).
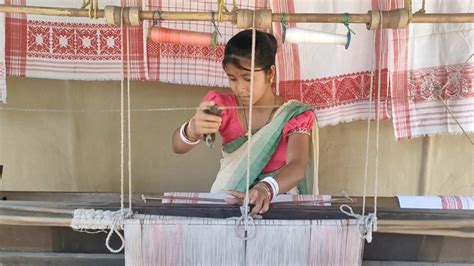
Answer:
(392, 219)
(232, 16)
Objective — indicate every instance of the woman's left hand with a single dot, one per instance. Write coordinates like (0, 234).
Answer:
(257, 196)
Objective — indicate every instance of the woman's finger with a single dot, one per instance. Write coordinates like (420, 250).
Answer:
(236, 194)
(258, 206)
(234, 201)
(266, 206)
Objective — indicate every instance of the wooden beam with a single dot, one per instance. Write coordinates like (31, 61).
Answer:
(231, 17)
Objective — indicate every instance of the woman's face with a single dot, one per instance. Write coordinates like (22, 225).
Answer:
(239, 80)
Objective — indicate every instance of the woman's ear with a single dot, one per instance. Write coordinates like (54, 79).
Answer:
(271, 74)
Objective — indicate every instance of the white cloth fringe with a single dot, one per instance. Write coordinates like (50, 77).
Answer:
(164, 240)
(92, 221)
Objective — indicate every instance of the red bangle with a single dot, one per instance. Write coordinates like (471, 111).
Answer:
(268, 188)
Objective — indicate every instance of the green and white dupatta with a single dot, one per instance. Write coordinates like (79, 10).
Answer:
(233, 171)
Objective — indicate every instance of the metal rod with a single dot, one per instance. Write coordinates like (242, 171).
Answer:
(231, 16)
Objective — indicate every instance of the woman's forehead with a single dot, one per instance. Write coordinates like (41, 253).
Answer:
(234, 70)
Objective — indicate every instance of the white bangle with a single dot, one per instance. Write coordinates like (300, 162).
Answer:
(273, 183)
(184, 138)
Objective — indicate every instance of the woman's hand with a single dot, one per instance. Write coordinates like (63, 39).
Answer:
(258, 196)
(203, 123)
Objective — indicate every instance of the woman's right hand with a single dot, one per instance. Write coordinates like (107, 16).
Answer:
(202, 122)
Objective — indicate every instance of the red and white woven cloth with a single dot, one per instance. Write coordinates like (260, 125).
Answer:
(425, 56)
(335, 80)
(417, 60)
(218, 198)
(69, 48)
(437, 202)
(3, 74)
(188, 64)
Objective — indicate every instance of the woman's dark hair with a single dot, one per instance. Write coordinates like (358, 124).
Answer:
(239, 48)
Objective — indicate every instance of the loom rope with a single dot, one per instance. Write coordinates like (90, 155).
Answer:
(373, 220)
(377, 135)
(245, 217)
(365, 223)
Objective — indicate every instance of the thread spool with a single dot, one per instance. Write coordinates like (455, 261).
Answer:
(297, 35)
(112, 15)
(134, 16)
(182, 37)
(131, 15)
(263, 19)
(392, 19)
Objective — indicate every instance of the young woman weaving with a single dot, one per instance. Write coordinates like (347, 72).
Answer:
(281, 135)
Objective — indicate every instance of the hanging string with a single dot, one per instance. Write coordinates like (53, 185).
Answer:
(220, 10)
(129, 125)
(377, 132)
(216, 30)
(345, 21)
(284, 24)
(156, 16)
(93, 6)
(116, 223)
(439, 93)
(122, 80)
(366, 169)
(422, 9)
(245, 208)
(235, 8)
(170, 109)
(408, 6)
(367, 145)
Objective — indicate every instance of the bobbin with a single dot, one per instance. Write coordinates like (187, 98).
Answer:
(392, 19)
(263, 19)
(131, 15)
(112, 15)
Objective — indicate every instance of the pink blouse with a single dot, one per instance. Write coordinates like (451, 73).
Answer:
(231, 128)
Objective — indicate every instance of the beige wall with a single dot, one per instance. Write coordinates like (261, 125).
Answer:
(80, 151)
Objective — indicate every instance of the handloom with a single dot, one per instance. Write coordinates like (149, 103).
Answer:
(162, 238)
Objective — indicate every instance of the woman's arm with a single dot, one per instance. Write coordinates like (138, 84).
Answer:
(296, 160)
(288, 177)
(201, 123)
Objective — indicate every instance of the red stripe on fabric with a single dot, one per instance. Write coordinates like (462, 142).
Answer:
(458, 202)
(440, 105)
(295, 55)
(440, 124)
(154, 67)
(288, 54)
(350, 88)
(351, 112)
(15, 40)
(444, 203)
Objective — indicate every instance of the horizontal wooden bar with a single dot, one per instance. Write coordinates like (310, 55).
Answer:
(231, 16)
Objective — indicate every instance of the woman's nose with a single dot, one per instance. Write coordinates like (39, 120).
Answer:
(243, 90)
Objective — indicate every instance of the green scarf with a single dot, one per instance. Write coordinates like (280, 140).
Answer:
(233, 172)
